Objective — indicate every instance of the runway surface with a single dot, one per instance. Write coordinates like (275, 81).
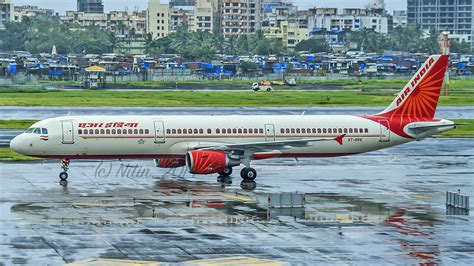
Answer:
(376, 208)
(44, 112)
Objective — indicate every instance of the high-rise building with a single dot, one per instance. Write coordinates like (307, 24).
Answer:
(6, 12)
(90, 6)
(158, 16)
(400, 18)
(455, 16)
(240, 17)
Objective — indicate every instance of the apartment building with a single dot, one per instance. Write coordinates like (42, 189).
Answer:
(240, 17)
(6, 12)
(455, 16)
(158, 19)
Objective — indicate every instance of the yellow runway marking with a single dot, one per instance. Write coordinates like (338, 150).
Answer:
(237, 197)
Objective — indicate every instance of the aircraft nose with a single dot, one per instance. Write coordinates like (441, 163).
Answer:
(16, 144)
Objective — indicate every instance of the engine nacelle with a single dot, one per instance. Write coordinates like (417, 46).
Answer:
(208, 162)
(169, 162)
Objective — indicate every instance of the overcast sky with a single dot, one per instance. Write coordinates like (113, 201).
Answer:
(63, 5)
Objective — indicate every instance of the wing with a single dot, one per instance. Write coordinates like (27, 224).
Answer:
(253, 147)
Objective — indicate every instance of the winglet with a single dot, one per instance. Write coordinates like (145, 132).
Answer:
(340, 138)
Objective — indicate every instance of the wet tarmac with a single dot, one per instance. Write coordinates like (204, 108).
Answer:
(44, 112)
(376, 208)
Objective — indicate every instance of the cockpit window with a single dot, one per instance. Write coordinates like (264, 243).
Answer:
(44, 131)
(29, 130)
(37, 131)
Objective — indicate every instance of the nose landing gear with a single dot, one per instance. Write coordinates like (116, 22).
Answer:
(65, 166)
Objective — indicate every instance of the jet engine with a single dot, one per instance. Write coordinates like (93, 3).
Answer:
(170, 162)
(208, 162)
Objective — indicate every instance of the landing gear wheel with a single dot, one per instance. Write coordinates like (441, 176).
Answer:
(226, 172)
(248, 174)
(65, 166)
(63, 176)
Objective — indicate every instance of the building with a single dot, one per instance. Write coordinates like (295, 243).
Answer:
(158, 19)
(90, 6)
(33, 12)
(351, 19)
(400, 18)
(6, 12)
(288, 33)
(205, 13)
(455, 16)
(181, 16)
(240, 17)
(121, 23)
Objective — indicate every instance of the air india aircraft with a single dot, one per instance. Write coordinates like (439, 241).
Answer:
(215, 144)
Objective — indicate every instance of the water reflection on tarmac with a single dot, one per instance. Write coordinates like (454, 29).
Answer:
(377, 208)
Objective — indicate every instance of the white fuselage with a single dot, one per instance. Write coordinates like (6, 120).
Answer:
(91, 137)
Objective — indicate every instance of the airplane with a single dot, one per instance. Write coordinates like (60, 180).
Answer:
(216, 144)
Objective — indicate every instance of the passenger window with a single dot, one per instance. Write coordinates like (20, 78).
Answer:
(240, 131)
(124, 132)
(218, 131)
(345, 130)
(130, 131)
(190, 131)
(297, 130)
(195, 131)
(229, 131)
(303, 130)
(135, 131)
(261, 131)
(366, 130)
(209, 131)
(245, 131)
(119, 131)
(308, 130)
(85, 131)
(282, 130)
(185, 131)
(319, 131)
(113, 131)
(250, 131)
(329, 130)
(107, 131)
(141, 131)
(223, 131)
(173, 131)
(314, 130)
(201, 131)
(356, 130)
(255, 131)
(147, 131)
(44, 131)
(287, 131)
(179, 131)
(102, 131)
(91, 131)
(168, 131)
(361, 130)
(350, 130)
(293, 131)
(340, 130)
(234, 131)
(324, 130)
(79, 131)
(97, 132)
(334, 130)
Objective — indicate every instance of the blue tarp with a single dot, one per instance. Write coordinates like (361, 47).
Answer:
(12, 69)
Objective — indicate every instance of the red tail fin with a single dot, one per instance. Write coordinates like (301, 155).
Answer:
(419, 98)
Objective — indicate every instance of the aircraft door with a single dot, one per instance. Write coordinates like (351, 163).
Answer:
(68, 132)
(269, 132)
(384, 131)
(159, 132)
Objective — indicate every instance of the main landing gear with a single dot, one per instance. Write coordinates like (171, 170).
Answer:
(226, 172)
(248, 174)
(65, 166)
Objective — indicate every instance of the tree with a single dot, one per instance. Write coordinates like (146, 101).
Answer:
(248, 67)
(460, 47)
(313, 45)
